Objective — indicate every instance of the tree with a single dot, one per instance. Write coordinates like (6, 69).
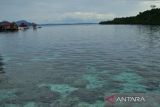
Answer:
(153, 6)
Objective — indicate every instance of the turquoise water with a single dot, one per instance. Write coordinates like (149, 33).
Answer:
(78, 65)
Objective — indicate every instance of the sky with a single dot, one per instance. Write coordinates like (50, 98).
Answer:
(71, 11)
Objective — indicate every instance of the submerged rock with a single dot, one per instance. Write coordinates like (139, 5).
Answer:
(96, 104)
(80, 83)
(151, 86)
(94, 81)
(11, 105)
(88, 96)
(30, 104)
(47, 97)
(130, 82)
(66, 102)
(43, 95)
(1, 71)
(64, 89)
(5, 94)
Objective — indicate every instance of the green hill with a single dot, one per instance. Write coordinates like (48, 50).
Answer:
(149, 17)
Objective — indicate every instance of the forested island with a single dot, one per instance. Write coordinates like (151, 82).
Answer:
(15, 26)
(149, 17)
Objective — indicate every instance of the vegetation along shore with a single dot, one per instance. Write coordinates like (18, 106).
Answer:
(149, 17)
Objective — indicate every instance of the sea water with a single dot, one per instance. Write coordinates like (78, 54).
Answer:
(77, 65)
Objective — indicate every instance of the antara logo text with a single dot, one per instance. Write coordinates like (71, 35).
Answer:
(113, 99)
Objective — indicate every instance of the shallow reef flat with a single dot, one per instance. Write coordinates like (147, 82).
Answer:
(79, 66)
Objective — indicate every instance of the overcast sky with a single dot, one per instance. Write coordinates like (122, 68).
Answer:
(71, 11)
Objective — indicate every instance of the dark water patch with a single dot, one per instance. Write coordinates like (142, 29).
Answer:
(80, 83)
(1, 65)
(66, 102)
(32, 95)
(152, 86)
(89, 96)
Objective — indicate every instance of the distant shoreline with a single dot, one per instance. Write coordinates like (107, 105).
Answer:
(66, 24)
(149, 17)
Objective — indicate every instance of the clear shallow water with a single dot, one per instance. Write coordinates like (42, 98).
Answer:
(77, 65)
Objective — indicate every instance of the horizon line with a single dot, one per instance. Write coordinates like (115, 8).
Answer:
(67, 23)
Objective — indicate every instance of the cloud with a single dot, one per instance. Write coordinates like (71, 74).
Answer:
(76, 17)
(58, 11)
(145, 5)
(88, 16)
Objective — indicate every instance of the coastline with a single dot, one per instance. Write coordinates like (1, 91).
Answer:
(148, 17)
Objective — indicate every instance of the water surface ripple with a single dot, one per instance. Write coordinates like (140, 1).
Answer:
(76, 65)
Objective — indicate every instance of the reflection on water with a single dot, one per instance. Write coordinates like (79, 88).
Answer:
(76, 66)
(152, 34)
(1, 65)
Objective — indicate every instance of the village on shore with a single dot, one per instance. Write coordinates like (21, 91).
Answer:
(15, 26)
